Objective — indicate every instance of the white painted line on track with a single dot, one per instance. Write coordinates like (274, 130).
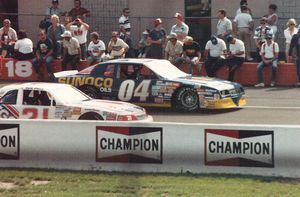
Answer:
(271, 107)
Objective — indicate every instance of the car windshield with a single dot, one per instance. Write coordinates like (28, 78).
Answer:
(165, 69)
(68, 94)
(88, 70)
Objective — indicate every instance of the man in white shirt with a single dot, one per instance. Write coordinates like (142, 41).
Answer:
(79, 30)
(235, 56)
(96, 49)
(72, 51)
(180, 28)
(269, 54)
(243, 25)
(224, 26)
(214, 50)
(124, 24)
(116, 46)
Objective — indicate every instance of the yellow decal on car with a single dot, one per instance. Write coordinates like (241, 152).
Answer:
(80, 81)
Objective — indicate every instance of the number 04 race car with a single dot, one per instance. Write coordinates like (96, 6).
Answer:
(150, 82)
(62, 101)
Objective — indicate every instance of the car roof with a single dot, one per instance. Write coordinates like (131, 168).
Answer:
(133, 60)
(35, 85)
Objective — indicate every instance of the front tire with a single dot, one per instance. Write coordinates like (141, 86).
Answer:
(90, 116)
(186, 99)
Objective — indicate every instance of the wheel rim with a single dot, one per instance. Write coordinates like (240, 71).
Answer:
(189, 99)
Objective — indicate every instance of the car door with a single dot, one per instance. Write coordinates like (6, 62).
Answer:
(131, 85)
(36, 104)
(104, 75)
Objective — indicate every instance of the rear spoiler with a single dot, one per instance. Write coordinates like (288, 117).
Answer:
(65, 73)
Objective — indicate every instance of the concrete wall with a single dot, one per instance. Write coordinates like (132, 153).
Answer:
(105, 14)
(31, 12)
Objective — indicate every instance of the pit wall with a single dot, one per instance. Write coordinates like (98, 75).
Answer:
(265, 150)
(13, 70)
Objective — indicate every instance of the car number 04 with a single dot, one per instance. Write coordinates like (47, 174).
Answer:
(127, 90)
(20, 68)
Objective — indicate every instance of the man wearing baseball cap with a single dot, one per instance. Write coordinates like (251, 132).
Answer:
(260, 35)
(269, 54)
(52, 10)
(180, 28)
(157, 40)
(174, 48)
(72, 51)
(235, 57)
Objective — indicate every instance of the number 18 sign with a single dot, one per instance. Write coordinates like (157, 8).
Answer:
(17, 70)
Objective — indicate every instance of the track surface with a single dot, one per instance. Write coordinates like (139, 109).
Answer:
(264, 106)
(278, 105)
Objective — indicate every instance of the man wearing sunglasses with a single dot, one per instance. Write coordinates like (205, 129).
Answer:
(260, 35)
(269, 54)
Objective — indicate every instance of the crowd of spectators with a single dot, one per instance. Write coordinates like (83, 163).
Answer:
(229, 46)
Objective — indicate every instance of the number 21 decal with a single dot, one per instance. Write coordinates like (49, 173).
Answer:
(127, 90)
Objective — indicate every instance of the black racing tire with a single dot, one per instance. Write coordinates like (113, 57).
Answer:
(90, 116)
(186, 99)
(91, 91)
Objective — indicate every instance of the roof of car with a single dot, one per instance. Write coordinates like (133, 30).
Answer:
(134, 60)
(36, 85)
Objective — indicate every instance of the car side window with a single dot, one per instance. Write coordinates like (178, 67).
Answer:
(146, 73)
(128, 71)
(109, 70)
(10, 97)
(36, 97)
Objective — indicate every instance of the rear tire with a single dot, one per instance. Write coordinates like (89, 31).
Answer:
(186, 99)
(90, 116)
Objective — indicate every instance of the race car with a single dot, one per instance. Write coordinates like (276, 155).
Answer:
(152, 82)
(62, 101)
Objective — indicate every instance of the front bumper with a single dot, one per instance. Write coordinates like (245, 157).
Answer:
(147, 119)
(226, 103)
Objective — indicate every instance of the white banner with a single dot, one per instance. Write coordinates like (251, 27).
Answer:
(151, 147)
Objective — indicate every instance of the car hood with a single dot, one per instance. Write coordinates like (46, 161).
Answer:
(112, 106)
(214, 83)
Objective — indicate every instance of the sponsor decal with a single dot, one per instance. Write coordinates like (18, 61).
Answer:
(9, 112)
(9, 142)
(80, 81)
(158, 100)
(129, 144)
(110, 116)
(76, 111)
(244, 148)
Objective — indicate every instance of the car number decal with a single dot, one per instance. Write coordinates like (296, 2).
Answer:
(33, 113)
(127, 90)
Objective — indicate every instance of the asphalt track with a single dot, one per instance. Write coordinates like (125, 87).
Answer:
(277, 105)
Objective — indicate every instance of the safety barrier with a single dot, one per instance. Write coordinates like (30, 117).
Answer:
(15, 70)
(266, 150)
(12, 69)
(246, 73)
